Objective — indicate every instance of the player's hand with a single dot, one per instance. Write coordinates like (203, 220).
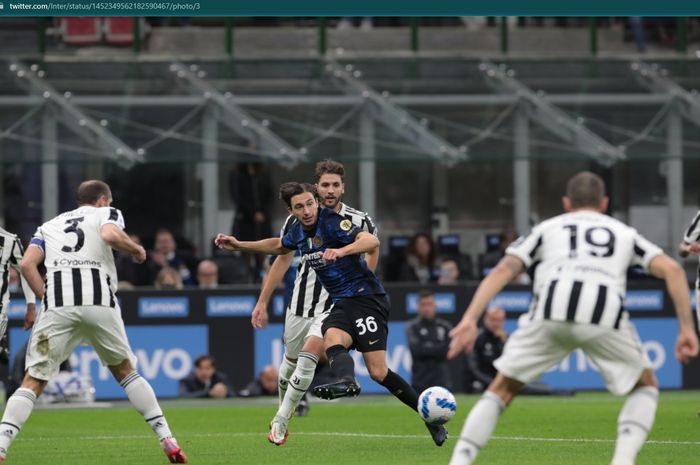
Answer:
(225, 242)
(694, 248)
(463, 336)
(140, 255)
(331, 255)
(259, 318)
(686, 346)
(29, 317)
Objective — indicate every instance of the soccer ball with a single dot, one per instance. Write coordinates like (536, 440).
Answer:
(436, 405)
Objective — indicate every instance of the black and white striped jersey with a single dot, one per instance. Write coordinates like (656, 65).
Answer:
(11, 251)
(309, 298)
(80, 266)
(692, 234)
(581, 263)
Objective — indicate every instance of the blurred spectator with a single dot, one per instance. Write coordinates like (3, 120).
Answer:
(264, 385)
(252, 193)
(208, 274)
(488, 347)
(449, 272)
(13, 284)
(491, 258)
(428, 341)
(169, 278)
(138, 274)
(164, 254)
(420, 260)
(205, 380)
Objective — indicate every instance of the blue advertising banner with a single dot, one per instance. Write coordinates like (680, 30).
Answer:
(165, 355)
(512, 301)
(644, 300)
(269, 350)
(445, 302)
(658, 337)
(17, 307)
(230, 305)
(164, 307)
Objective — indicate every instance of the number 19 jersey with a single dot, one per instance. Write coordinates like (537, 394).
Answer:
(581, 260)
(80, 267)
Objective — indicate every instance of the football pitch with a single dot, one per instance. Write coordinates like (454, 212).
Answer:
(377, 430)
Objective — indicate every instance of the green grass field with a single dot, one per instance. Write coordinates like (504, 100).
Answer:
(378, 430)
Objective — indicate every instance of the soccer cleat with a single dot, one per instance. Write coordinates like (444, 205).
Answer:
(438, 432)
(173, 451)
(278, 431)
(338, 389)
(303, 408)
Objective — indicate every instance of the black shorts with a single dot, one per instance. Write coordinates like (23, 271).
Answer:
(364, 318)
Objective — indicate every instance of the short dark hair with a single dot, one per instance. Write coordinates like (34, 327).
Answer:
(290, 189)
(89, 192)
(203, 358)
(329, 166)
(425, 293)
(586, 189)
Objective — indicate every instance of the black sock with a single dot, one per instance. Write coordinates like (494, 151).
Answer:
(401, 389)
(341, 362)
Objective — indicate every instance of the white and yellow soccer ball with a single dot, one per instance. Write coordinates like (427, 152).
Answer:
(436, 405)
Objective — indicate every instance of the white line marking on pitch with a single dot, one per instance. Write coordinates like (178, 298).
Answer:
(355, 435)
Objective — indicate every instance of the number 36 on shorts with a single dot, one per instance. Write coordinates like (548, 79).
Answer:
(366, 325)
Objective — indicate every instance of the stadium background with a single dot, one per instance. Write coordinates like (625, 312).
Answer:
(460, 129)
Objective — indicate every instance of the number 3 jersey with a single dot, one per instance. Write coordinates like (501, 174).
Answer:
(79, 264)
(581, 260)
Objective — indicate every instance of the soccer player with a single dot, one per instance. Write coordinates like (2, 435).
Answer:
(690, 245)
(10, 256)
(79, 306)
(578, 290)
(309, 305)
(333, 247)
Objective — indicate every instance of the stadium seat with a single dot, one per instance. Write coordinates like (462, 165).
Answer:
(120, 30)
(81, 31)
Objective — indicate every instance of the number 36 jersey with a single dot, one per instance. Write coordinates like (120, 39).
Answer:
(79, 264)
(581, 260)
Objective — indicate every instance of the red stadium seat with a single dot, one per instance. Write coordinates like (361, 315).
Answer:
(81, 31)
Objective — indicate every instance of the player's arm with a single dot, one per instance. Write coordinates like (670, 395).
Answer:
(271, 246)
(29, 296)
(685, 249)
(663, 267)
(119, 240)
(33, 258)
(464, 334)
(273, 278)
(372, 258)
(364, 242)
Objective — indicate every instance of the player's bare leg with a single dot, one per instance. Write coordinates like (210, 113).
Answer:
(336, 342)
(636, 419)
(482, 419)
(143, 398)
(380, 372)
(298, 384)
(19, 408)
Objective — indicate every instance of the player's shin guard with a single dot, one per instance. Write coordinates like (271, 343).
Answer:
(299, 382)
(287, 367)
(341, 363)
(634, 423)
(19, 407)
(401, 389)
(478, 428)
(143, 398)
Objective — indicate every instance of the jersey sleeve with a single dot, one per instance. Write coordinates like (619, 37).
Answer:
(286, 226)
(644, 251)
(114, 216)
(17, 252)
(692, 234)
(288, 240)
(527, 248)
(369, 226)
(38, 240)
(342, 229)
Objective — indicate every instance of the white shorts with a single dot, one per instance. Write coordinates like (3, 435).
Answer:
(57, 332)
(297, 329)
(535, 348)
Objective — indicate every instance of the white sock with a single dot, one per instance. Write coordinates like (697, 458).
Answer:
(299, 383)
(634, 423)
(19, 407)
(478, 428)
(287, 367)
(143, 398)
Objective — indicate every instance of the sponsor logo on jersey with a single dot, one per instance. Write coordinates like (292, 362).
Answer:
(164, 307)
(346, 225)
(315, 259)
(75, 263)
(230, 305)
